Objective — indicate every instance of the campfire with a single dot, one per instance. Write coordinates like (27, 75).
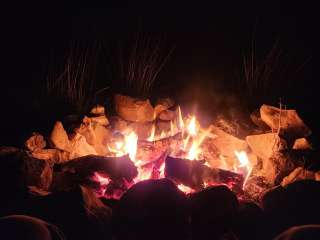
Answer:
(111, 153)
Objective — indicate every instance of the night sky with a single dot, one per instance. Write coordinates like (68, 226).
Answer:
(209, 42)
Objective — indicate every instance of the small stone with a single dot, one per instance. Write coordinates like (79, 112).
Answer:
(35, 142)
(102, 120)
(302, 144)
(264, 145)
(51, 155)
(98, 110)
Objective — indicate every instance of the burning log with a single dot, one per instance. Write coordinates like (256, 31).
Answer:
(149, 151)
(195, 174)
(114, 167)
(289, 122)
(133, 110)
(80, 170)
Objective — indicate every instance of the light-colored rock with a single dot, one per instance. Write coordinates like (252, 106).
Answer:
(80, 147)
(119, 124)
(167, 115)
(163, 104)
(102, 134)
(297, 174)
(265, 145)
(35, 142)
(98, 110)
(302, 144)
(226, 143)
(134, 110)
(277, 162)
(291, 124)
(51, 155)
(59, 137)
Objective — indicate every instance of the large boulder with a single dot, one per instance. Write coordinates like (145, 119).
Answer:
(132, 109)
(277, 162)
(291, 125)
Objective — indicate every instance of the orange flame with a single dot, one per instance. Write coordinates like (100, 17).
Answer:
(151, 138)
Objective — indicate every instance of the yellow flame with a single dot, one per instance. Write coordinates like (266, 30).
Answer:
(195, 149)
(171, 128)
(243, 158)
(130, 145)
(244, 163)
(192, 127)
(151, 138)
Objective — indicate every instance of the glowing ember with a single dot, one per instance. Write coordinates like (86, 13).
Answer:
(185, 189)
(103, 181)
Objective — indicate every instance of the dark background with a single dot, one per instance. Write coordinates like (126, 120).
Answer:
(204, 72)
